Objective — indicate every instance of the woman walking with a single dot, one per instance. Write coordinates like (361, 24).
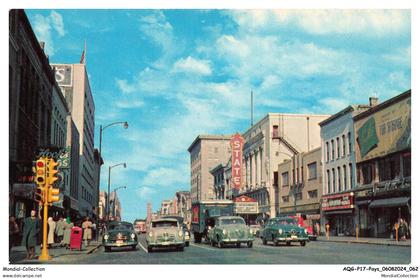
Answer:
(51, 230)
(67, 232)
(31, 228)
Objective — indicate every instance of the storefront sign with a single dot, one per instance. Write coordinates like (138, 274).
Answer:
(61, 156)
(236, 144)
(384, 132)
(337, 202)
(63, 74)
(245, 208)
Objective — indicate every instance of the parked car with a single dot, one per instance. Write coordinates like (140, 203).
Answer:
(184, 227)
(305, 223)
(230, 230)
(119, 234)
(284, 229)
(165, 232)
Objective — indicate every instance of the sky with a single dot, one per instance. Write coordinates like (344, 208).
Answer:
(175, 74)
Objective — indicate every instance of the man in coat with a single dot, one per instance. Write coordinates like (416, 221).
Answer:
(31, 228)
(87, 231)
(59, 230)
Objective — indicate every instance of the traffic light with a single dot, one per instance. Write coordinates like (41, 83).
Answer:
(53, 195)
(40, 194)
(52, 171)
(41, 171)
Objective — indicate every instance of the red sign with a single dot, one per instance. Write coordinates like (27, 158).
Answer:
(244, 198)
(337, 202)
(195, 212)
(237, 143)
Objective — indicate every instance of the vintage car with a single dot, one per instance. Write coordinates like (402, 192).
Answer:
(284, 229)
(230, 230)
(165, 232)
(119, 234)
(184, 227)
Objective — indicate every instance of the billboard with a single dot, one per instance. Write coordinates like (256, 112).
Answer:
(63, 74)
(384, 132)
(236, 144)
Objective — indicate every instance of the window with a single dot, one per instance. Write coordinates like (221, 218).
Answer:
(275, 131)
(285, 199)
(327, 149)
(332, 150)
(276, 178)
(338, 147)
(367, 173)
(339, 178)
(328, 181)
(344, 177)
(299, 196)
(285, 179)
(349, 138)
(312, 171)
(351, 174)
(333, 180)
(407, 164)
(312, 194)
(344, 145)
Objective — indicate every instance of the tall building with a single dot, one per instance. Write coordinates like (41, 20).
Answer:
(301, 193)
(206, 151)
(31, 83)
(273, 139)
(115, 205)
(383, 161)
(339, 169)
(74, 83)
(102, 206)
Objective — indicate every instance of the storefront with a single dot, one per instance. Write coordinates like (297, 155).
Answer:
(247, 208)
(338, 211)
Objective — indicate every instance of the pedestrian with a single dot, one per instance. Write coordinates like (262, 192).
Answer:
(94, 231)
(59, 230)
(87, 231)
(404, 229)
(31, 228)
(67, 232)
(13, 232)
(317, 228)
(51, 230)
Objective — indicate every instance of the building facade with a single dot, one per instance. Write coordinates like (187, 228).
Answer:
(102, 206)
(74, 84)
(269, 142)
(218, 174)
(31, 83)
(183, 201)
(383, 161)
(339, 170)
(115, 205)
(300, 185)
(206, 152)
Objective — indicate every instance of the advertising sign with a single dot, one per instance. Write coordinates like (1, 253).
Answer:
(337, 202)
(63, 74)
(236, 144)
(246, 208)
(384, 132)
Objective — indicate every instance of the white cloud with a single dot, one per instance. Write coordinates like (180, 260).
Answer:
(145, 192)
(163, 177)
(124, 86)
(191, 65)
(129, 103)
(156, 28)
(43, 26)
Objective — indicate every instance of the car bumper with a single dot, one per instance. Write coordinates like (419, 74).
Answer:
(166, 243)
(237, 240)
(119, 244)
(291, 239)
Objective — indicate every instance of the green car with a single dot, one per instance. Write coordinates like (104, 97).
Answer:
(119, 234)
(283, 229)
(230, 230)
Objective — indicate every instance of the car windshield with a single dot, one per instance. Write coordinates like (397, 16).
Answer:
(120, 226)
(164, 224)
(284, 221)
(232, 221)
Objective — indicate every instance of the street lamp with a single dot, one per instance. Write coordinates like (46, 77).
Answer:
(109, 185)
(101, 129)
(115, 194)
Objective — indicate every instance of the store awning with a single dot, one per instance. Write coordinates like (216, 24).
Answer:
(391, 202)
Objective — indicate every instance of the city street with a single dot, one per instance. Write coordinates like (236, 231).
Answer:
(316, 252)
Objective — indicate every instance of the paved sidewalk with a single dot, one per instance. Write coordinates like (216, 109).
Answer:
(367, 240)
(18, 253)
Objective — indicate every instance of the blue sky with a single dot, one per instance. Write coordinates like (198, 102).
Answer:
(174, 74)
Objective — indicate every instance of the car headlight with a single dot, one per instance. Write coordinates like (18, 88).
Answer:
(150, 234)
(251, 231)
(306, 231)
(224, 232)
(187, 233)
(133, 236)
(106, 237)
(280, 231)
(180, 233)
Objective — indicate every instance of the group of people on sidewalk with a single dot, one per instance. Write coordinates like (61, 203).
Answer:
(59, 232)
(403, 230)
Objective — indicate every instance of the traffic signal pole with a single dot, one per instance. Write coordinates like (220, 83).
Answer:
(44, 252)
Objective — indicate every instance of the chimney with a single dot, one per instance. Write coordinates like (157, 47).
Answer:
(42, 44)
(373, 101)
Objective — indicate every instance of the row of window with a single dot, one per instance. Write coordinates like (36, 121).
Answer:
(340, 178)
(86, 195)
(312, 194)
(336, 148)
(311, 174)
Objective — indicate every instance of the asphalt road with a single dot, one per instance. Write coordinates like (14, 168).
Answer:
(315, 252)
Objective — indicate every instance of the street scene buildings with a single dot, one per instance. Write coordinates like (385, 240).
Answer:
(314, 171)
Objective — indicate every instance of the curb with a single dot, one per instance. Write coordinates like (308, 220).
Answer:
(366, 242)
(94, 249)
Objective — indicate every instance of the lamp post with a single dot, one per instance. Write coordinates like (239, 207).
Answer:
(101, 129)
(115, 193)
(109, 186)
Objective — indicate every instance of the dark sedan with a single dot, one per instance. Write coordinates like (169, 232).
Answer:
(119, 234)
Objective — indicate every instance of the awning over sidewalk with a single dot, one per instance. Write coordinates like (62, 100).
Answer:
(391, 202)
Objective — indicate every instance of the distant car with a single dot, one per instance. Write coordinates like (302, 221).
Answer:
(119, 234)
(230, 230)
(284, 229)
(184, 227)
(165, 232)
(256, 228)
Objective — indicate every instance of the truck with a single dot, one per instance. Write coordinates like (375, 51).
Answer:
(204, 213)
